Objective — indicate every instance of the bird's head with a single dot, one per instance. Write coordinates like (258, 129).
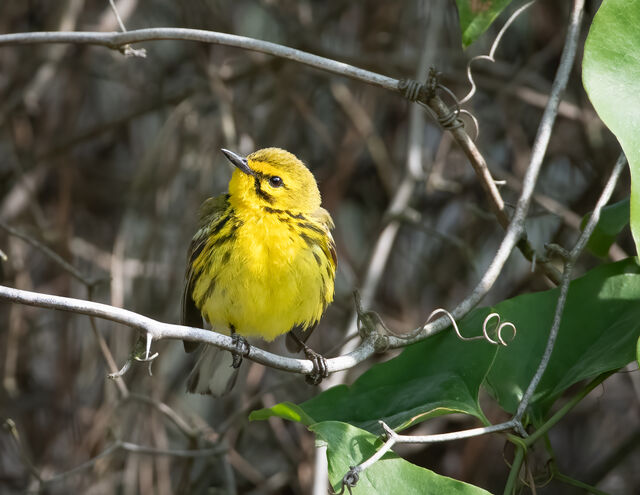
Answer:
(273, 178)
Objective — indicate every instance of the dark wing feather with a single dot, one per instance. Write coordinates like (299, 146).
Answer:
(210, 212)
(191, 315)
(293, 345)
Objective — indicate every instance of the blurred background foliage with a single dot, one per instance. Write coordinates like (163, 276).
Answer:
(105, 160)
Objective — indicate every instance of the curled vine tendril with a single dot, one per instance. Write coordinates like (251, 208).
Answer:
(485, 333)
(420, 93)
(492, 52)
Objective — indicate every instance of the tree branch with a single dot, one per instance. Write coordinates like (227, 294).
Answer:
(117, 41)
(159, 331)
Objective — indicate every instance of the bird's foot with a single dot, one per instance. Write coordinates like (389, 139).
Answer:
(320, 371)
(242, 349)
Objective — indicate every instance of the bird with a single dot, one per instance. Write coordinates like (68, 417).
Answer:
(262, 263)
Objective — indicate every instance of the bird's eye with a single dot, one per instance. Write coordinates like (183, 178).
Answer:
(275, 181)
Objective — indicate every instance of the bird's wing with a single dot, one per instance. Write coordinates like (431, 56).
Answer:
(299, 334)
(325, 219)
(210, 212)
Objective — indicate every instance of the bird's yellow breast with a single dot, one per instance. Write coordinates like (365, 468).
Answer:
(264, 273)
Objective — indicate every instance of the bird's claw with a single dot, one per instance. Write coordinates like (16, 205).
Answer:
(242, 349)
(320, 371)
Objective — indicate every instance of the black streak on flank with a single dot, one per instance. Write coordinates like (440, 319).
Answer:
(258, 187)
(299, 216)
(221, 223)
(315, 255)
(210, 289)
(310, 226)
(226, 257)
(309, 240)
(268, 209)
(325, 303)
(222, 240)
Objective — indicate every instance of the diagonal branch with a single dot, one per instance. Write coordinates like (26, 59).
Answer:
(566, 279)
(515, 230)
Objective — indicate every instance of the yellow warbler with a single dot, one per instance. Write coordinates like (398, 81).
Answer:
(262, 263)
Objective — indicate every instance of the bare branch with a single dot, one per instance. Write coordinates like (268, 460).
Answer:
(160, 331)
(117, 41)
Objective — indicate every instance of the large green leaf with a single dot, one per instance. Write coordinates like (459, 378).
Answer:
(613, 218)
(600, 325)
(440, 375)
(349, 446)
(610, 73)
(476, 16)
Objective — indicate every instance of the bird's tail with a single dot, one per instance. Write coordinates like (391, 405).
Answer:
(213, 373)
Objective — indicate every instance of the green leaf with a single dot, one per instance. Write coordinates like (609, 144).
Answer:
(613, 219)
(349, 446)
(285, 410)
(600, 324)
(610, 73)
(441, 375)
(476, 16)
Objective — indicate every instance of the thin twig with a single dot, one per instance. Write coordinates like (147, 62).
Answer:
(117, 14)
(89, 283)
(126, 49)
(564, 410)
(106, 353)
(393, 438)
(10, 425)
(136, 449)
(168, 412)
(118, 40)
(566, 279)
(456, 435)
(65, 265)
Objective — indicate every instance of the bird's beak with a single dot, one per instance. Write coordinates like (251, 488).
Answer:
(238, 161)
